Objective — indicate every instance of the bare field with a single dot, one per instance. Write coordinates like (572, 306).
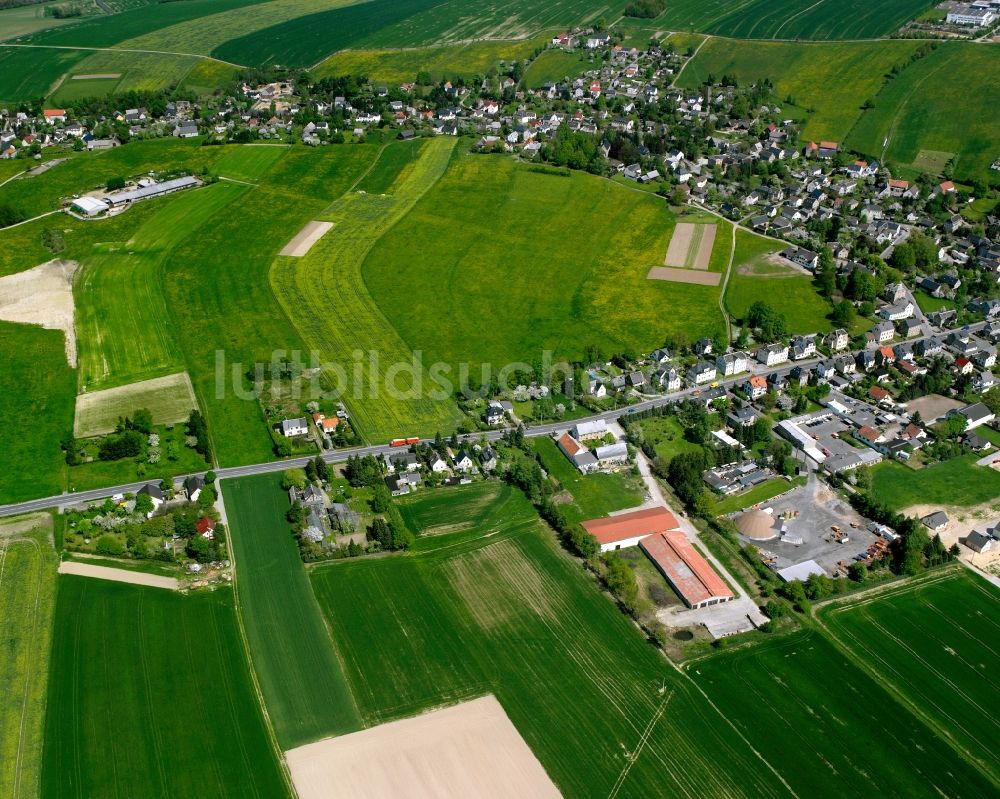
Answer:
(169, 399)
(118, 575)
(306, 238)
(933, 406)
(673, 275)
(468, 751)
(691, 246)
(97, 76)
(42, 296)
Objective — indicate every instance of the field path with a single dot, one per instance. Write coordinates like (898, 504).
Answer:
(121, 50)
(692, 58)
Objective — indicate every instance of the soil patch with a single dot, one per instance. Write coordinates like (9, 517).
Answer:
(42, 296)
(469, 751)
(680, 243)
(704, 255)
(684, 276)
(97, 76)
(933, 406)
(23, 524)
(306, 238)
(118, 575)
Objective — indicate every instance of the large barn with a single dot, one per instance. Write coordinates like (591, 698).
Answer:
(690, 575)
(628, 529)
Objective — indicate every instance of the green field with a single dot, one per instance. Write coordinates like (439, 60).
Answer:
(395, 160)
(934, 641)
(833, 729)
(834, 79)
(788, 290)
(123, 326)
(169, 399)
(249, 162)
(17, 22)
(300, 673)
(27, 603)
(84, 88)
(150, 695)
(955, 482)
(590, 495)
(554, 65)
(500, 609)
(209, 75)
(139, 71)
(452, 61)
(530, 261)
(936, 105)
(220, 299)
(455, 510)
(38, 388)
(32, 73)
(790, 19)
(324, 295)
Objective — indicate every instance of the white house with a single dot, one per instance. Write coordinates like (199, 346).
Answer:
(732, 363)
(701, 372)
(584, 431)
(438, 464)
(611, 455)
(294, 427)
(773, 354)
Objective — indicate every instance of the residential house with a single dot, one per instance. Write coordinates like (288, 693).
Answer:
(668, 379)
(701, 372)
(155, 493)
(773, 354)
(975, 415)
(732, 363)
(581, 457)
(464, 462)
(402, 483)
(837, 340)
(488, 459)
(193, 486)
(586, 431)
(290, 428)
(755, 386)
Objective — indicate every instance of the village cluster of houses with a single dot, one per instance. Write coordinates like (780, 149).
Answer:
(404, 467)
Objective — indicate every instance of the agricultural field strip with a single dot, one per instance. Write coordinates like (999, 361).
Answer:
(13, 769)
(170, 399)
(500, 585)
(325, 296)
(875, 651)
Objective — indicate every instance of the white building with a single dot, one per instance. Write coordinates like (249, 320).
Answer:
(294, 427)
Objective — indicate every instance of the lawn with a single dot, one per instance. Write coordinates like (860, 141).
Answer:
(448, 62)
(936, 104)
(955, 482)
(761, 493)
(220, 299)
(503, 611)
(27, 603)
(666, 435)
(150, 695)
(39, 390)
(832, 80)
(929, 304)
(177, 459)
(934, 641)
(325, 296)
(123, 326)
(755, 278)
(300, 674)
(590, 495)
(528, 262)
(832, 728)
(790, 19)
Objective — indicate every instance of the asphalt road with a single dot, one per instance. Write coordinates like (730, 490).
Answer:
(341, 455)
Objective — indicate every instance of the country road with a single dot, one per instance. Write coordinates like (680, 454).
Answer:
(339, 456)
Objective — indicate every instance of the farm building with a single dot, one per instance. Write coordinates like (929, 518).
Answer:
(690, 575)
(89, 206)
(627, 529)
(150, 191)
(801, 571)
(581, 457)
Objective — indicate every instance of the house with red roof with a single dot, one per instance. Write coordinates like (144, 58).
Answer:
(205, 527)
(54, 114)
(687, 571)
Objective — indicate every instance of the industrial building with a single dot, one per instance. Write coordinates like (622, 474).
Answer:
(152, 190)
(628, 529)
(688, 573)
(89, 206)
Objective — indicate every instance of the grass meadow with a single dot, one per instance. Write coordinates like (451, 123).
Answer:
(395, 161)
(935, 642)
(150, 695)
(325, 296)
(500, 609)
(554, 65)
(831, 727)
(123, 325)
(301, 675)
(450, 61)
(937, 104)
(457, 509)
(209, 75)
(38, 387)
(220, 298)
(590, 495)
(72, 90)
(832, 80)
(528, 261)
(789, 19)
(169, 399)
(249, 162)
(149, 72)
(955, 482)
(25, 20)
(27, 604)
(789, 291)
(30, 74)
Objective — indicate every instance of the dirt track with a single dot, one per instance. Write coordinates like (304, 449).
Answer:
(42, 296)
(306, 238)
(118, 575)
(469, 751)
(699, 278)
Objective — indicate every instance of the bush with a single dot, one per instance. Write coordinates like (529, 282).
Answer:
(127, 444)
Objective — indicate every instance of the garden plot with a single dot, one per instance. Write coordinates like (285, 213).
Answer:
(690, 246)
(466, 751)
(169, 399)
(42, 296)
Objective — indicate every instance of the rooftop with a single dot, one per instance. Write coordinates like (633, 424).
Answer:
(631, 525)
(688, 572)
